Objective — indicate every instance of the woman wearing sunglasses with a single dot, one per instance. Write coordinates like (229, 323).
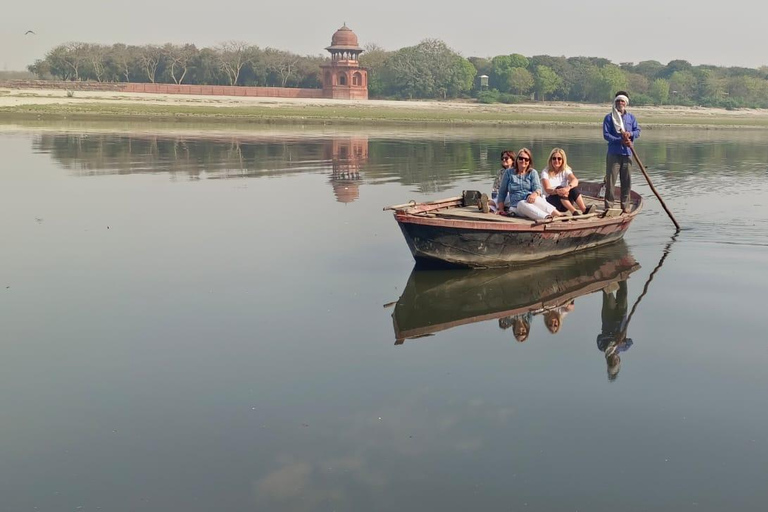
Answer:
(561, 185)
(507, 161)
(521, 188)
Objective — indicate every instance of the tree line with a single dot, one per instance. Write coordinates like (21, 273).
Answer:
(428, 70)
(426, 165)
(229, 63)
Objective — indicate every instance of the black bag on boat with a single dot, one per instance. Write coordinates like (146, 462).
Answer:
(471, 197)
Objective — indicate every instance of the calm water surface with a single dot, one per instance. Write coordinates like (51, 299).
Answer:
(229, 321)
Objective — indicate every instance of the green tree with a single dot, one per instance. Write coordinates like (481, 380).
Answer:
(501, 70)
(675, 66)
(179, 58)
(683, 86)
(710, 86)
(518, 61)
(206, 68)
(428, 70)
(604, 82)
(41, 68)
(124, 59)
(374, 59)
(637, 83)
(403, 75)
(462, 77)
(579, 75)
(545, 81)
(650, 69)
(232, 57)
(561, 67)
(521, 81)
(482, 65)
(96, 62)
(557, 64)
(308, 72)
(747, 90)
(659, 91)
(67, 60)
(150, 57)
(280, 66)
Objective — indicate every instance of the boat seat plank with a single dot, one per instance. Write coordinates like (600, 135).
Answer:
(472, 213)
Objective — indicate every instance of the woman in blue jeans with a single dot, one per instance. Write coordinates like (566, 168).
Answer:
(521, 184)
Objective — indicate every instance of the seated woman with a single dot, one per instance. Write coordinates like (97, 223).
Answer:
(561, 185)
(507, 160)
(521, 188)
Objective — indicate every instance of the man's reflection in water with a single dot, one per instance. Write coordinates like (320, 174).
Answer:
(553, 318)
(521, 325)
(612, 340)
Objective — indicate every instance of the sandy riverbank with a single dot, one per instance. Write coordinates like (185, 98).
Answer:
(41, 103)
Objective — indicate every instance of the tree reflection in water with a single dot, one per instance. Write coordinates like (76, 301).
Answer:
(215, 157)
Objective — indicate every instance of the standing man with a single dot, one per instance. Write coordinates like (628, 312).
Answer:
(619, 129)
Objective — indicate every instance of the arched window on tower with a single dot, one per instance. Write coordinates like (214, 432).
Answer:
(357, 78)
(342, 79)
(327, 81)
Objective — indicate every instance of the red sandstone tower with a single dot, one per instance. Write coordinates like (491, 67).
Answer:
(343, 78)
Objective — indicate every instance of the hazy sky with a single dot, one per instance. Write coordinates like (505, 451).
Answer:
(730, 34)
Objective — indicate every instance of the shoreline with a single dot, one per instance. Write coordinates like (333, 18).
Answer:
(52, 104)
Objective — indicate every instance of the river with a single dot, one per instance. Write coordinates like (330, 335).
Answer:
(203, 319)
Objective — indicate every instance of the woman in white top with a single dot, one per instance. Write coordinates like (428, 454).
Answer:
(561, 185)
(553, 318)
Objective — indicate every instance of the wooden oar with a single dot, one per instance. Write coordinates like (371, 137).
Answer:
(648, 179)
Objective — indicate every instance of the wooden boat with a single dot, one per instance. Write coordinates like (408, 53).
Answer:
(450, 232)
(436, 300)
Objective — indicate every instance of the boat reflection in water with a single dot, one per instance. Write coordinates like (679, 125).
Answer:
(436, 300)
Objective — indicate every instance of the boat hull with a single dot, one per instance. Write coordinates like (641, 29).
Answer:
(478, 248)
(436, 239)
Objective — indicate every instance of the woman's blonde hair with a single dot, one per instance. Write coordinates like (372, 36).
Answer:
(564, 167)
(530, 157)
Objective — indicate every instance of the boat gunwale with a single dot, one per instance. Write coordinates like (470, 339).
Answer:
(414, 214)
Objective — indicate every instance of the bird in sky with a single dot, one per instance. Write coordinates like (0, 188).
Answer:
(30, 32)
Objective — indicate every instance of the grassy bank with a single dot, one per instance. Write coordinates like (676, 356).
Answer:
(301, 114)
(468, 115)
